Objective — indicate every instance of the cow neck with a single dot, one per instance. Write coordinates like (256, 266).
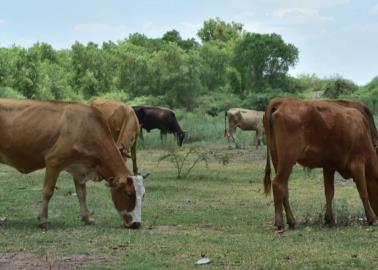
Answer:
(113, 165)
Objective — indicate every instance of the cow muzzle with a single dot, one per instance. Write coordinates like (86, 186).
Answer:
(134, 226)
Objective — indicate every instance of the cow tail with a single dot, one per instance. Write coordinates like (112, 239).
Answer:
(268, 123)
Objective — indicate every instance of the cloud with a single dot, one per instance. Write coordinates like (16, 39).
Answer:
(316, 4)
(375, 9)
(99, 28)
(301, 15)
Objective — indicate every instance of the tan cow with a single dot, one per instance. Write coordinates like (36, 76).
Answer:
(245, 120)
(124, 126)
(73, 137)
(333, 135)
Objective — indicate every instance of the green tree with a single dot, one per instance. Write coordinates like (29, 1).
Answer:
(174, 36)
(216, 29)
(175, 76)
(263, 60)
(339, 87)
(216, 59)
(133, 69)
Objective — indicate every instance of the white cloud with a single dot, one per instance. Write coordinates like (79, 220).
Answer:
(99, 28)
(375, 9)
(317, 4)
(301, 15)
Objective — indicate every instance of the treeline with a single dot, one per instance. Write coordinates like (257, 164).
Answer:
(228, 67)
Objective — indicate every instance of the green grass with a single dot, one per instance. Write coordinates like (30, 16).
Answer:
(219, 212)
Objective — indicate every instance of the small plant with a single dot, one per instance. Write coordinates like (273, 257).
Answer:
(185, 160)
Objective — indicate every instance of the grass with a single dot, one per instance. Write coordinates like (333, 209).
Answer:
(219, 212)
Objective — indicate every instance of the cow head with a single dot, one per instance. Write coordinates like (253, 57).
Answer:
(127, 198)
(181, 135)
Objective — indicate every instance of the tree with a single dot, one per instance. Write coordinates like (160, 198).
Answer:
(175, 76)
(338, 87)
(263, 60)
(133, 69)
(215, 60)
(174, 36)
(216, 29)
(93, 69)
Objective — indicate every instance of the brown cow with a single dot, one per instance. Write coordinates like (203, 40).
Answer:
(73, 137)
(331, 135)
(245, 120)
(124, 126)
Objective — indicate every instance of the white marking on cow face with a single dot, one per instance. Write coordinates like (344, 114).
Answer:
(139, 190)
(136, 213)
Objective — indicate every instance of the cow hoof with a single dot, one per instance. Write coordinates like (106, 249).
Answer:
(44, 226)
(88, 221)
(330, 222)
(280, 228)
(374, 223)
(291, 226)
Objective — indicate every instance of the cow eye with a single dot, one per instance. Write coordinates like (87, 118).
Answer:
(129, 194)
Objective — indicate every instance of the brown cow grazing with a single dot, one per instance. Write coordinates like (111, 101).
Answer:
(124, 126)
(245, 120)
(73, 137)
(331, 135)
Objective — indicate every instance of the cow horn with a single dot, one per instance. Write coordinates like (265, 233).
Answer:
(144, 175)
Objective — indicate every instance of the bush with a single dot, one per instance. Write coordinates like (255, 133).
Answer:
(258, 101)
(115, 95)
(7, 92)
(339, 87)
(217, 102)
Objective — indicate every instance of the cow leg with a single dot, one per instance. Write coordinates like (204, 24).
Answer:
(81, 191)
(141, 135)
(360, 180)
(289, 214)
(329, 190)
(163, 137)
(258, 138)
(133, 157)
(372, 184)
(280, 194)
(233, 137)
(51, 176)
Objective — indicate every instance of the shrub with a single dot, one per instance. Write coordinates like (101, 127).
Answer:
(7, 92)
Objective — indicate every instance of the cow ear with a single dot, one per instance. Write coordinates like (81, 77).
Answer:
(110, 182)
(114, 183)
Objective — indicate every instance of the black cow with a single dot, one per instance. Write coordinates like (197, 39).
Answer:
(151, 117)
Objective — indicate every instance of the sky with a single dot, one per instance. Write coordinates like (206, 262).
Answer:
(334, 37)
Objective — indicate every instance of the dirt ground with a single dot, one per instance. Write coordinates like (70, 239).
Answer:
(32, 261)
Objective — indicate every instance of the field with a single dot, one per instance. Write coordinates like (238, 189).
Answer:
(218, 211)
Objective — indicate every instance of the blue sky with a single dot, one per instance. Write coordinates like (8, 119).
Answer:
(333, 36)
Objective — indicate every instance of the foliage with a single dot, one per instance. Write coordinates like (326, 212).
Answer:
(263, 60)
(184, 160)
(7, 92)
(216, 29)
(230, 67)
(339, 87)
